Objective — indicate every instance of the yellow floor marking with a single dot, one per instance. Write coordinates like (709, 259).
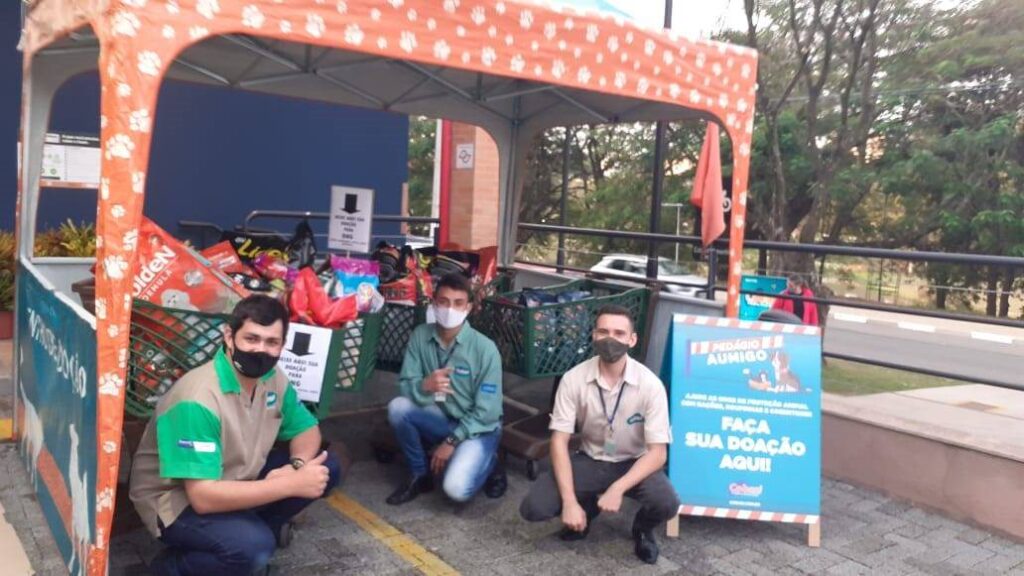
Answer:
(401, 544)
(5, 429)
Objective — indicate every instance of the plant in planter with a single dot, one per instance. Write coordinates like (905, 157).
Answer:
(7, 285)
(69, 240)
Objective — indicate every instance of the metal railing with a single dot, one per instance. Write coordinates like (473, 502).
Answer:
(817, 250)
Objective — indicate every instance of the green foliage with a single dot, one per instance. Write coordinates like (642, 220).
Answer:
(422, 139)
(67, 240)
(7, 284)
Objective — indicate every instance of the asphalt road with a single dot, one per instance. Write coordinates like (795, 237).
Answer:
(968, 350)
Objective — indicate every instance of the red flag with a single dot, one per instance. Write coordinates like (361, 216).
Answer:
(707, 188)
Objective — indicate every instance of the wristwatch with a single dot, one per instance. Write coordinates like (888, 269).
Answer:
(451, 441)
(298, 463)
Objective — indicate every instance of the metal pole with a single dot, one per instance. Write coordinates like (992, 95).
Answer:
(560, 259)
(659, 177)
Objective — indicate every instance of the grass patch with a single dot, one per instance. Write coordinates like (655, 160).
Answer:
(855, 379)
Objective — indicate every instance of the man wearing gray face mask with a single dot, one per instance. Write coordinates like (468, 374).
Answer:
(621, 411)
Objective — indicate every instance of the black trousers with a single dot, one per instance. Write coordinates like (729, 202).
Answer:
(591, 478)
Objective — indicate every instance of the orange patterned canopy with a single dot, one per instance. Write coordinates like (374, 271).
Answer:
(511, 66)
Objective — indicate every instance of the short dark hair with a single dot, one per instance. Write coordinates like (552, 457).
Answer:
(616, 310)
(261, 309)
(455, 281)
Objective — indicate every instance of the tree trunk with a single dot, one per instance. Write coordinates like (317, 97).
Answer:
(992, 292)
(1004, 296)
(941, 293)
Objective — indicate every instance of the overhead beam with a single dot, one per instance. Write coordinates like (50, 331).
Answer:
(604, 118)
(452, 87)
(350, 88)
(268, 53)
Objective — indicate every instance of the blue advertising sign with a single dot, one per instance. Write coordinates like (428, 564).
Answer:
(752, 305)
(746, 413)
(56, 359)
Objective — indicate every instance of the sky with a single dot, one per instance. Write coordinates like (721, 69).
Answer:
(693, 18)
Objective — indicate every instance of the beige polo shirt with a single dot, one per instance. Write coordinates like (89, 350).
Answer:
(641, 419)
(206, 428)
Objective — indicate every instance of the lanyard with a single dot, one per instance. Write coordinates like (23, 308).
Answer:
(604, 407)
(448, 356)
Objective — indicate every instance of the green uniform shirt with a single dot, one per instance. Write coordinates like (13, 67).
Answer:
(476, 400)
(206, 428)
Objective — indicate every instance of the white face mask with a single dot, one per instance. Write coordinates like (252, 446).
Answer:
(449, 318)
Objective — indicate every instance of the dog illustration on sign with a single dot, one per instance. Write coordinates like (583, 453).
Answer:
(31, 435)
(81, 529)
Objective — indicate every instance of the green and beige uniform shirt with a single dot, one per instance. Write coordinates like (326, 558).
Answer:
(206, 428)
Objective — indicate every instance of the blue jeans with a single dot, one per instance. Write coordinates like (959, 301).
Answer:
(239, 542)
(421, 428)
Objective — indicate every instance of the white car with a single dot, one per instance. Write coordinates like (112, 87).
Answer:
(668, 271)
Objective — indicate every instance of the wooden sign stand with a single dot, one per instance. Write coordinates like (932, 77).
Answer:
(813, 523)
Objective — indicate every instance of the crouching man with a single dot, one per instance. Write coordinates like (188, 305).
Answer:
(622, 412)
(205, 480)
(450, 403)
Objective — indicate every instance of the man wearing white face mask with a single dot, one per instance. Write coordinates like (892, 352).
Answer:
(450, 400)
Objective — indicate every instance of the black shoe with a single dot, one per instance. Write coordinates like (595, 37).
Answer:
(646, 547)
(412, 488)
(284, 534)
(497, 482)
(165, 563)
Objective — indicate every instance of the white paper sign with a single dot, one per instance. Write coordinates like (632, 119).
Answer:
(464, 156)
(304, 359)
(351, 219)
(72, 159)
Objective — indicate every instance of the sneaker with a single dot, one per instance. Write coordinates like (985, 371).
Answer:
(410, 489)
(284, 534)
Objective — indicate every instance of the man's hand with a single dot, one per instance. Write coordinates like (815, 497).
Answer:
(442, 454)
(574, 517)
(310, 481)
(285, 470)
(611, 500)
(438, 381)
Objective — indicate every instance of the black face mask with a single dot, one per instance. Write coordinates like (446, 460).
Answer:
(252, 364)
(610, 350)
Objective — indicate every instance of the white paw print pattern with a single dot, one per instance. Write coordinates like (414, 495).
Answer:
(642, 86)
(140, 121)
(550, 30)
(526, 19)
(110, 446)
(674, 91)
(478, 15)
(592, 33)
(442, 50)
(208, 8)
(171, 6)
(113, 331)
(408, 41)
(649, 47)
(117, 211)
(252, 17)
(315, 25)
(138, 182)
(341, 7)
(105, 188)
(396, 4)
(119, 146)
(114, 267)
(382, 43)
(111, 384)
(135, 3)
(149, 63)
(558, 69)
(285, 27)
(197, 32)
(431, 24)
(168, 32)
(105, 499)
(124, 90)
(583, 75)
(125, 23)
(488, 56)
(130, 240)
(620, 80)
(613, 44)
(101, 308)
(450, 6)
(375, 15)
(518, 64)
(500, 8)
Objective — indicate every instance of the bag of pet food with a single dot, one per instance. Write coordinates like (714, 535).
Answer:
(173, 275)
(224, 258)
(249, 246)
(359, 277)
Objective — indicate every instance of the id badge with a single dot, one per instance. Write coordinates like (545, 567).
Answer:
(609, 442)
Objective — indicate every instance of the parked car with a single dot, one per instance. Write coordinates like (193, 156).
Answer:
(668, 271)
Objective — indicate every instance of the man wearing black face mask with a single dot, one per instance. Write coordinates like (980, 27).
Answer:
(205, 480)
(621, 411)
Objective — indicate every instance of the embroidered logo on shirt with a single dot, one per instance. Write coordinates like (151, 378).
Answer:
(462, 371)
(202, 447)
(271, 399)
(637, 418)
(489, 388)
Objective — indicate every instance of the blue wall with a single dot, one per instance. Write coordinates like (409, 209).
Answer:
(219, 153)
(10, 109)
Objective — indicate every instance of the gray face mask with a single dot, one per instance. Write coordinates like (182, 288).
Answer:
(610, 350)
